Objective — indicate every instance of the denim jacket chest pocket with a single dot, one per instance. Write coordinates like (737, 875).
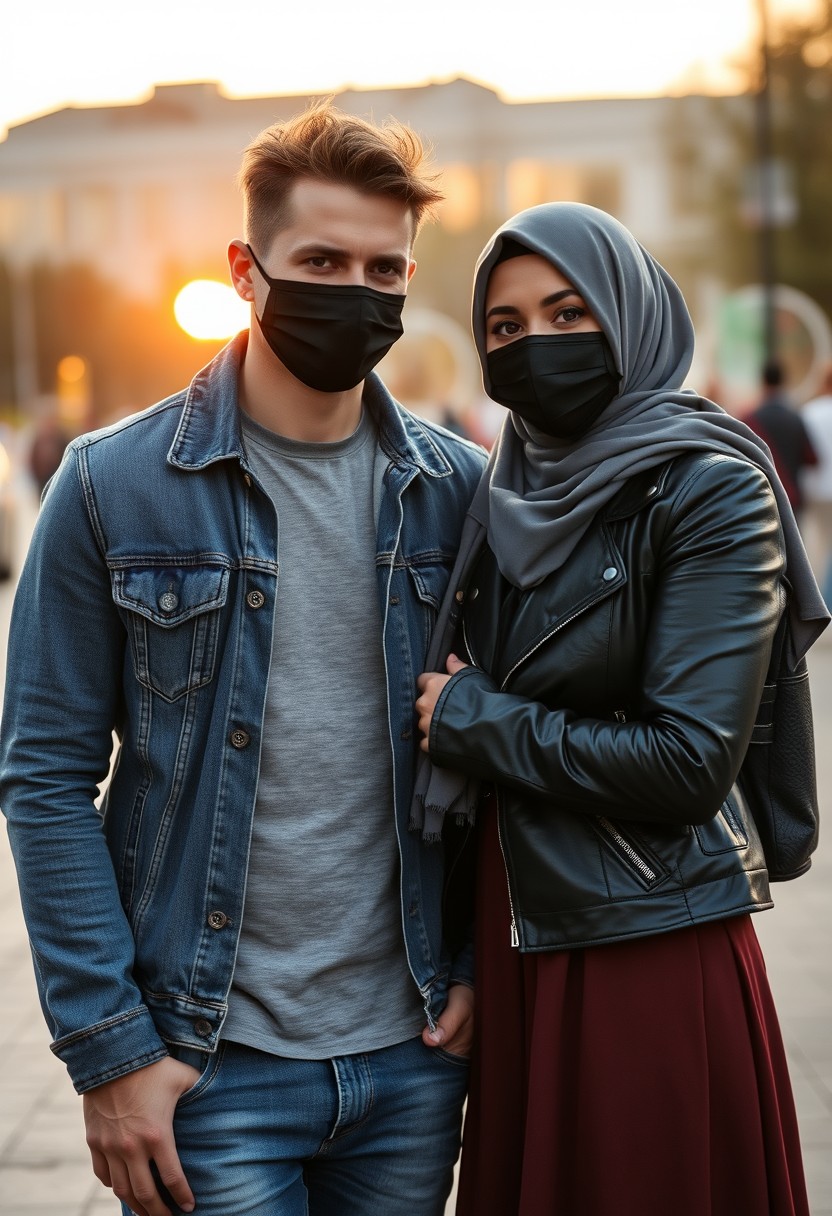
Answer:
(430, 579)
(172, 615)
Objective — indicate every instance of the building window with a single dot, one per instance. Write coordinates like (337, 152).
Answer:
(530, 182)
(462, 207)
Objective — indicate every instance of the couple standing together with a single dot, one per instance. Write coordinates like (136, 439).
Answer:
(395, 727)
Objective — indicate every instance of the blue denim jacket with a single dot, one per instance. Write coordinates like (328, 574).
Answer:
(145, 608)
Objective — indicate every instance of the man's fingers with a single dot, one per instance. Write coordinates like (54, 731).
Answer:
(122, 1188)
(100, 1167)
(173, 1177)
(145, 1192)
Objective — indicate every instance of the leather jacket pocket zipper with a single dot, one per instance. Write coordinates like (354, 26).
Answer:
(645, 871)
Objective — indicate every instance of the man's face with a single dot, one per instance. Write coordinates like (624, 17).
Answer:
(338, 236)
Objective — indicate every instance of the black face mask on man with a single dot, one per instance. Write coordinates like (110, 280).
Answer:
(328, 337)
(560, 383)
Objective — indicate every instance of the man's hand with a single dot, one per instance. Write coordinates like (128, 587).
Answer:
(129, 1124)
(430, 685)
(455, 1026)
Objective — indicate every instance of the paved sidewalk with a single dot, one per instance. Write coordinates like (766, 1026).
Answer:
(44, 1164)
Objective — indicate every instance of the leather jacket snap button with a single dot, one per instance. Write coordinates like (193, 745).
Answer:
(239, 738)
(610, 573)
(203, 1028)
(255, 599)
(217, 920)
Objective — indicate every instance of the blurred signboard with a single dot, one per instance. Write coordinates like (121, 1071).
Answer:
(804, 344)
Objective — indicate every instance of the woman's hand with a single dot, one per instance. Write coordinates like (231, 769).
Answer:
(430, 685)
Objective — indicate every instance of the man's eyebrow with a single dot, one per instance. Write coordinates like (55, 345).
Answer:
(508, 310)
(317, 249)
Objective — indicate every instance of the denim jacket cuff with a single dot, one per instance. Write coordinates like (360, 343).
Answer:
(110, 1049)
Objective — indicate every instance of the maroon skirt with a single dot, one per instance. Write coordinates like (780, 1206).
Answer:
(645, 1078)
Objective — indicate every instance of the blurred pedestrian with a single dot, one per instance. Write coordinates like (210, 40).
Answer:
(779, 425)
(244, 967)
(817, 415)
(619, 605)
(47, 450)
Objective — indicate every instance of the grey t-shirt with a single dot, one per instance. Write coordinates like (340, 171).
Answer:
(321, 968)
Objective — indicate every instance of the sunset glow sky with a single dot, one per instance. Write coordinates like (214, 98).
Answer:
(100, 52)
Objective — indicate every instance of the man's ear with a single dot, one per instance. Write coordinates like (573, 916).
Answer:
(411, 270)
(241, 267)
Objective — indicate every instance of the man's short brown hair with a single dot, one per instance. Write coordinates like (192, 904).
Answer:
(326, 144)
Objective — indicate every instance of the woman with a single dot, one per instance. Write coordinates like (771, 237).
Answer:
(625, 578)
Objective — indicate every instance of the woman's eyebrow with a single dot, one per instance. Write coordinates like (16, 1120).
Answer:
(508, 310)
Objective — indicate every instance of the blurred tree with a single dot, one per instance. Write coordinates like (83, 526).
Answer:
(136, 352)
(801, 83)
(726, 185)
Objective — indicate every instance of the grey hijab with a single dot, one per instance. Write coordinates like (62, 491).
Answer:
(539, 494)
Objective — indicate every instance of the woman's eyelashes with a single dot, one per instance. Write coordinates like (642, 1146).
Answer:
(571, 314)
(562, 318)
(507, 329)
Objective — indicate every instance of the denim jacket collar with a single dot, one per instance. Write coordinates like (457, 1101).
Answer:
(210, 426)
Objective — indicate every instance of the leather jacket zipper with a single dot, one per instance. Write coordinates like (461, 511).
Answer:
(515, 936)
(629, 852)
(563, 621)
(635, 858)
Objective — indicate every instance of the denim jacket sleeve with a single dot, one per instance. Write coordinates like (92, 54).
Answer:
(62, 705)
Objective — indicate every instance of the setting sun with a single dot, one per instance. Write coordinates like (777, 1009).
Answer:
(206, 309)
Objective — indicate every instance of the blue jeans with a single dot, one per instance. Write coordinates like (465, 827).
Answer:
(375, 1134)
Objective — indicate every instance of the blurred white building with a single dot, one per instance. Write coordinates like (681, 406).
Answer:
(145, 193)
(130, 188)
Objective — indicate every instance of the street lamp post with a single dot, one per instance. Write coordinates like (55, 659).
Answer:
(766, 185)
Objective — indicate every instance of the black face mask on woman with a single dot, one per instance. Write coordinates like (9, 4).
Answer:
(561, 384)
(328, 337)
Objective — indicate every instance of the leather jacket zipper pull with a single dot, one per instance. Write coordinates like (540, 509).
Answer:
(515, 940)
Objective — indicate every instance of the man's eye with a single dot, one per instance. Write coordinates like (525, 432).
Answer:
(386, 268)
(319, 262)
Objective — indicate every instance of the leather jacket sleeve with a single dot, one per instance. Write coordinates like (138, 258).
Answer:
(704, 653)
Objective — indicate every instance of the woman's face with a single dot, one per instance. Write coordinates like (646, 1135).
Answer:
(527, 296)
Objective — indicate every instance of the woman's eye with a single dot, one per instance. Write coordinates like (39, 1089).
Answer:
(507, 329)
(571, 313)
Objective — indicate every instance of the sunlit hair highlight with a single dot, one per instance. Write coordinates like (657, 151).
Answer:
(325, 144)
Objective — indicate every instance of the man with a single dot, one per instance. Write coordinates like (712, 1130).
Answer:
(243, 966)
(778, 423)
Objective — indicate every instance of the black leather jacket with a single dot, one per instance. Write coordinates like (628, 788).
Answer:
(613, 703)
